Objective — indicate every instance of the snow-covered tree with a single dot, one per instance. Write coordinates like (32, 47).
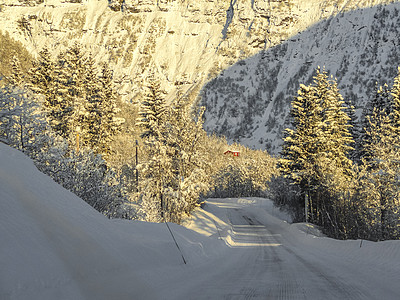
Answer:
(336, 123)
(72, 76)
(94, 97)
(355, 132)
(305, 141)
(17, 77)
(379, 105)
(382, 176)
(156, 170)
(107, 111)
(41, 75)
(185, 136)
(396, 102)
(155, 182)
(43, 80)
(152, 110)
(22, 123)
(173, 176)
(315, 151)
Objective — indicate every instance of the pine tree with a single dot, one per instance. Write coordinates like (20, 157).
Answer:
(41, 75)
(336, 121)
(315, 151)
(355, 132)
(73, 78)
(92, 121)
(111, 125)
(44, 81)
(305, 141)
(17, 77)
(383, 168)
(379, 105)
(396, 102)
(152, 110)
(156, 170)
(102, 121)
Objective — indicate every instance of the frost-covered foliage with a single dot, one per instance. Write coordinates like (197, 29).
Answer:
(174, 173)
(24, 125)
(22, 121)
(87, 176)
(379, 185)
(320, 136)
(248, 174)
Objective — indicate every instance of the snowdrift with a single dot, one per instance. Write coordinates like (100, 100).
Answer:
(55, 246)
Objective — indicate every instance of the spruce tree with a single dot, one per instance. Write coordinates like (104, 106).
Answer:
(315, 151)
(379, 105)
(306, 140)
(336, 124)
(396, 102)
(41, 75)
(152, 110)
(383, 168)
(17, 77)
(92, 121)
(44, 81)
(156, 170)
(73, 78)
(111, 124)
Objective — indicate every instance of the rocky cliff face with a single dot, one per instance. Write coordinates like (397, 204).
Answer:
(250, 101)
(186, 43)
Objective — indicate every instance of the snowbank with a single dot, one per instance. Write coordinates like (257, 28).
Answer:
(55, 246)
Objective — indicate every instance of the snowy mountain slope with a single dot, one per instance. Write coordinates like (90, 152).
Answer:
(249, 102)
(55, 246)
(185, 42)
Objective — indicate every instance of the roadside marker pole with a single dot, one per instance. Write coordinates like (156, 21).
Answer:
(177, 246)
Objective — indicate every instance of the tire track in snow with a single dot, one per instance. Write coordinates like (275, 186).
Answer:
(289, 288)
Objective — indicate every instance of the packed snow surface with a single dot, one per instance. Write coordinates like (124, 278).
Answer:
(54, 246)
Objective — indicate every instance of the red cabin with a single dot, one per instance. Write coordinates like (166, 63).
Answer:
(232, 153)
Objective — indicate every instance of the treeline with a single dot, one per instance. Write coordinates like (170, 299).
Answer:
(149, 159)
(183, 164)
(339, 173)
(62, 113)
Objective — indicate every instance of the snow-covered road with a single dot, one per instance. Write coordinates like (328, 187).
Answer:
(270, 259)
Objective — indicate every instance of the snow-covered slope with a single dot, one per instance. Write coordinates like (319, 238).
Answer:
(185, 42)
(249, 102)
(55, 246)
